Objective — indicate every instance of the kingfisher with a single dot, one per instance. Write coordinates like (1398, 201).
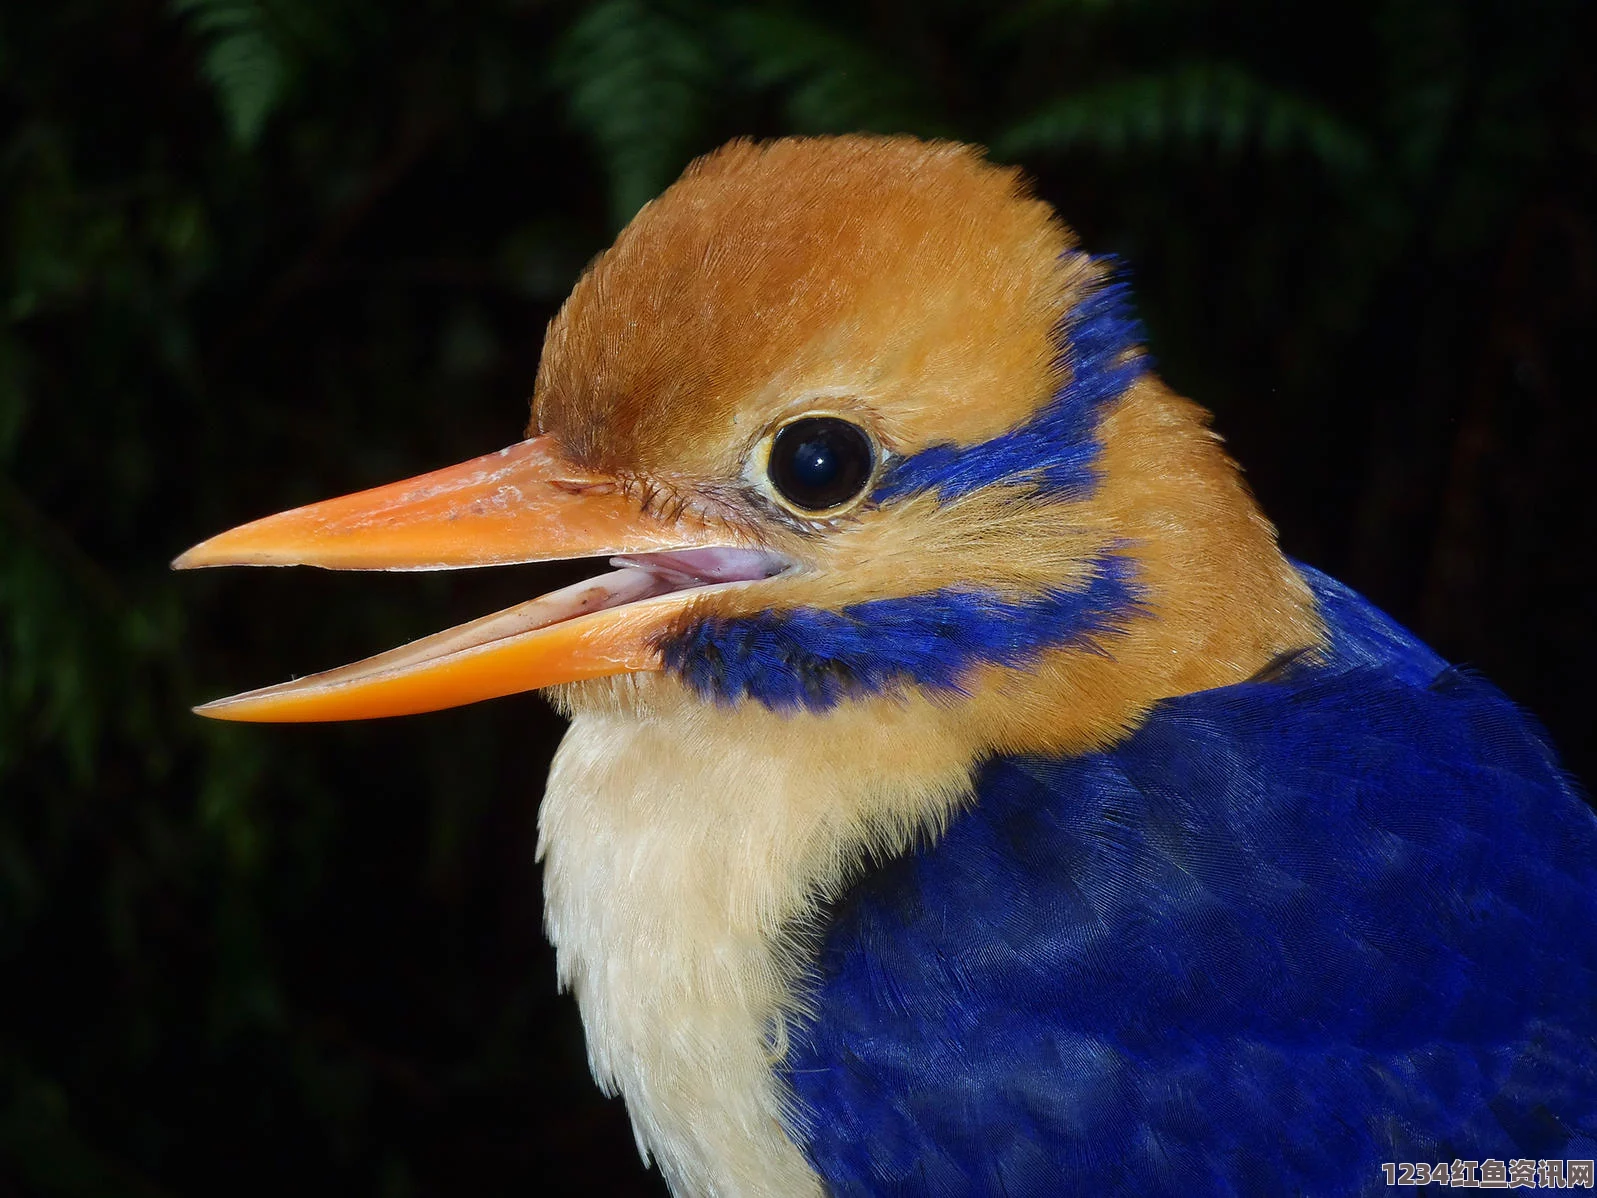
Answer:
(963, 793)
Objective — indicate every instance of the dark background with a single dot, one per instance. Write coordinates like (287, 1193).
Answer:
(257, 252)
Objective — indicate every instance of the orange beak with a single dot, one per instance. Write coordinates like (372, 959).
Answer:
(526, 503)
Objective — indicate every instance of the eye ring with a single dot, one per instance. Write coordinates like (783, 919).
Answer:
(819, 464)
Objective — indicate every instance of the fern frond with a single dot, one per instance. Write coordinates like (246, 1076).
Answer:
(1215, 106)
(833, 83)
(635, 81)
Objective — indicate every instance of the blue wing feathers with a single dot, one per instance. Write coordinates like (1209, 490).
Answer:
(1286, 931)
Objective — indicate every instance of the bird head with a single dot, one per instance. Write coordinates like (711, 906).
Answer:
(858, 423)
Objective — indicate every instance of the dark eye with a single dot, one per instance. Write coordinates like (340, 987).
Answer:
(820, 462)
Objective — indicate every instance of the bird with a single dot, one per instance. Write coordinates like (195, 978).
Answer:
(963, 793)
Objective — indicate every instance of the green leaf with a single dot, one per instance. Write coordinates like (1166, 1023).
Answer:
(243, 61)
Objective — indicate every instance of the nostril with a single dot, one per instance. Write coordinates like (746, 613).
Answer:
(572, 486)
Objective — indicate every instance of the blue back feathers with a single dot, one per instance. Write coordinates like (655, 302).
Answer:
(814, 659)
(1286, 931)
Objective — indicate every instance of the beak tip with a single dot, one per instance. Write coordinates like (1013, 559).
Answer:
(241, 708)
(227, 550)
(196, 557)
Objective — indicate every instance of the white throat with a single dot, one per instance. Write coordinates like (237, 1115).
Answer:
(684, 858)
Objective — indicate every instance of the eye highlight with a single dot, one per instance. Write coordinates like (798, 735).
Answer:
(818, 463)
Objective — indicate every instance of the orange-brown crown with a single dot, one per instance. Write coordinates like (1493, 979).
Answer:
(910, 277)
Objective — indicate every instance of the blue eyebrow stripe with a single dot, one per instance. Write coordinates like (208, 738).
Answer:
(1100, 341)
(813, 659)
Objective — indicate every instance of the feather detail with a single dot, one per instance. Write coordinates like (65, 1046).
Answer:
(686, 859)
(1100, 355)
(1286, 931)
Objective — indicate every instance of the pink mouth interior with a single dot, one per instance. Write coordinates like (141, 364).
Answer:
(703, 567)
(640, 576)
(647, 575)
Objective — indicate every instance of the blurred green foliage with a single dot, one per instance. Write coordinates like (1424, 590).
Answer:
(254, 252)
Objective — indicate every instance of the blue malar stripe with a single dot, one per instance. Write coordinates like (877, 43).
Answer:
(812, 658)
(1100, 343)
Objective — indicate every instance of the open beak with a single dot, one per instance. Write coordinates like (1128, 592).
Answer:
(525, 503)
